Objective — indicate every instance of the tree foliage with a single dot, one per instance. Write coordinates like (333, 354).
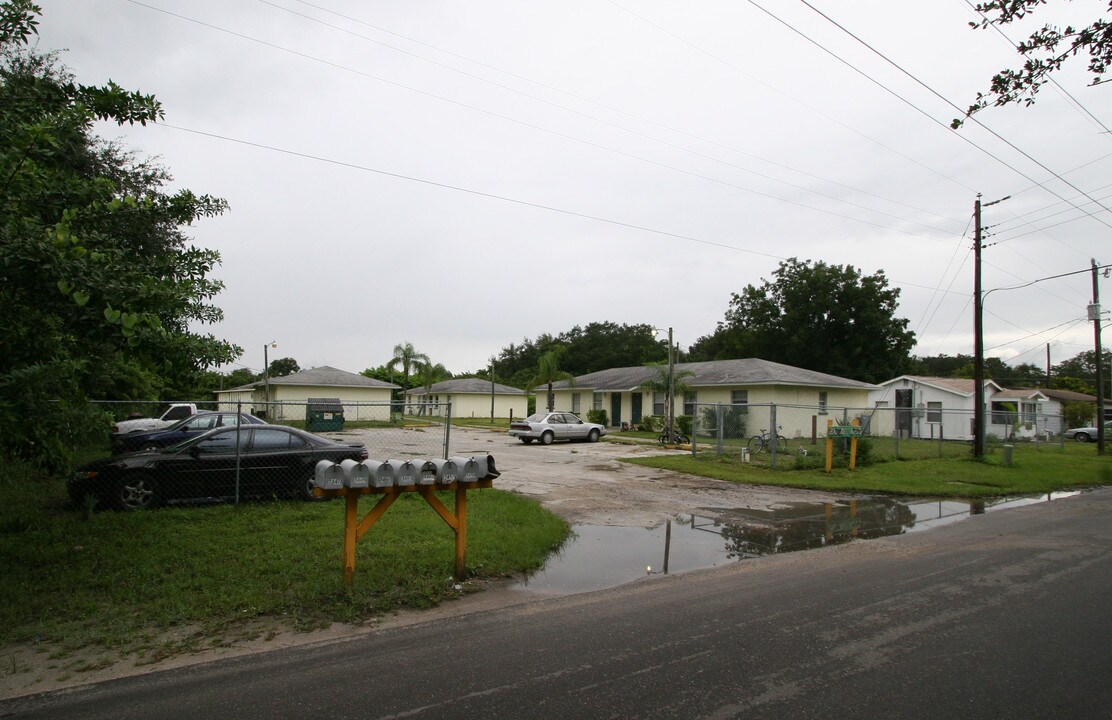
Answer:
(283, 367)
(1044, 52)
(827, 318)
(100, 286)
(549, 372)
(596, 346)
(408, 358)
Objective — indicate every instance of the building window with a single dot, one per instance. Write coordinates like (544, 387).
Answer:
(689, 401)
(822, 403)
(658, 403)
(596, 401)
(740, 397)
(575, 402)
(1030, 412)
(934, 412)
(1003, 413)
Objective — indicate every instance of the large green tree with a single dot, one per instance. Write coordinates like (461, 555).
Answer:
(1044, 52)
(595, 346)
(101, 288)
(828, 318)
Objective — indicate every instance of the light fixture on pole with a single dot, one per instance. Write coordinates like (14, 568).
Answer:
(266, 374)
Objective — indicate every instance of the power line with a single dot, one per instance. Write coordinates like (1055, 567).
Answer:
(955, 107)
(554, 132)
(597, 104)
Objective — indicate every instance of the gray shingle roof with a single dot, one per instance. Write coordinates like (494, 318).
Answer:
(330, 376)
(476, 386)
(745, 371)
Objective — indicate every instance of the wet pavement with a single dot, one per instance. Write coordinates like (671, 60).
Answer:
(599, 556)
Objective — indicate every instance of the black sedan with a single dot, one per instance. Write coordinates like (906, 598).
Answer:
(191, 426)
(245, 461)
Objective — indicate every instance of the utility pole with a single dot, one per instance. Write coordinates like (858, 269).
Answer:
(671, 389)
(1098, 358)
(978, 340)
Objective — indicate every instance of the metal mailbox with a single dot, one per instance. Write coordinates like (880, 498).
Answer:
(405, 472)
(328, 475)
(356, 474)
(428, 473)
(379, 478)
(447, 471)
(469, 470)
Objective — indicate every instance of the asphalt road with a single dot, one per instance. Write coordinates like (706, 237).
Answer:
(1006, 614)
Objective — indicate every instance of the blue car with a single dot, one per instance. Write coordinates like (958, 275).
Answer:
(182, 430)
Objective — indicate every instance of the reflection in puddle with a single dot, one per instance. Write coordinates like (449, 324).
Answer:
(599, 557)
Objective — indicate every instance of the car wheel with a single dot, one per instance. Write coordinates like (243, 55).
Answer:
(1081, 437)
(136, 492)
(547, 437)
(527, 441)
(592, 436)
(305, 491)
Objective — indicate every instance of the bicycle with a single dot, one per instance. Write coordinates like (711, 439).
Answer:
(763, 442)
(678, 438)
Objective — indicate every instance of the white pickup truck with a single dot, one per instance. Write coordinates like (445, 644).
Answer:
(176, 411)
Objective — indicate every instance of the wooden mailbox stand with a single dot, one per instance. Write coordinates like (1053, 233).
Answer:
(853, 432)
(354, 528)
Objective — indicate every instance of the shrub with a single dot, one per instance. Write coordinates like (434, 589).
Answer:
(733, 421)
(598, 416)
(683, 422)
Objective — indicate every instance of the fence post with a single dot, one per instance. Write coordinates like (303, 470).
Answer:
(720, 435)
(239, 425)
(775, 433)
(447, 429)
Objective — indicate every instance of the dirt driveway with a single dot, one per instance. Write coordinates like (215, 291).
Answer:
(587, 485)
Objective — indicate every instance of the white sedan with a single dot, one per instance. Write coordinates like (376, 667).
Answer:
(551, 426)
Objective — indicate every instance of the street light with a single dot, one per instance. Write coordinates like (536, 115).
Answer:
(266, 374)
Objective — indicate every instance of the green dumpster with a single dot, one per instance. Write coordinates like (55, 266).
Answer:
(324, 414)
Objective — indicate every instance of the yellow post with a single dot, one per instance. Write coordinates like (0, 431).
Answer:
(461, 533)
(829, 447)
(853, 445)
(351, 522)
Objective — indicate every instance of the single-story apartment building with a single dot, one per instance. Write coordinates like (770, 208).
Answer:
(469, 397)
(738, 382)
(363, 398)
(935, 407)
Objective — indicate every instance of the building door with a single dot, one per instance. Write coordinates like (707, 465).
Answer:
(903, 412)
(635, 410)
(616, 409)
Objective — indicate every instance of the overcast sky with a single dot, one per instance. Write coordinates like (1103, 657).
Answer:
(465, 175)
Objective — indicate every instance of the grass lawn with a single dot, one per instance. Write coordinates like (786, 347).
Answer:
(179, 579)
(1034, 469)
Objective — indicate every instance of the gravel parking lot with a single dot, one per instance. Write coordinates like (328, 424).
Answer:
(584, 482)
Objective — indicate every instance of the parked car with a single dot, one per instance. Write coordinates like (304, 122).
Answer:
(273, 460)
(181, 430)
(1085, 434)
(177, 411)
(549, 427)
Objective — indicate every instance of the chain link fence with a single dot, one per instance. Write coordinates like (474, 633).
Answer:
(158, 453)
(773, 434)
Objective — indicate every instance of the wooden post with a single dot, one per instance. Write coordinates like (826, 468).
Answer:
(829, 447)
(461, 533)
(853, 445)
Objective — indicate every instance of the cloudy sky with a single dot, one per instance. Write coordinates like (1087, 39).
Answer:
(465, 175)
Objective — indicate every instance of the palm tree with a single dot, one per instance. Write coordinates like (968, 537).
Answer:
(429, 375)
(670, 382)
(407, 356)
(548, 372)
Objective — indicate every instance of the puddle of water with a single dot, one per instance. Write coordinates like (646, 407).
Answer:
(599, 557)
